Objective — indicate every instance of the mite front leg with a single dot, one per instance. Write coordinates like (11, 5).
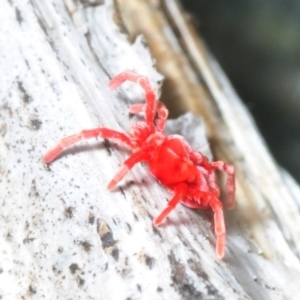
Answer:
(84, 135)
(144, 82)
(179, 193)
(220, 230)
(162, 113)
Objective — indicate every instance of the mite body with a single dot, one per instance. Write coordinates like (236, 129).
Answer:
(185, 172)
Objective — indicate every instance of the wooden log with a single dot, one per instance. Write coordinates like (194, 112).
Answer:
(63, 235)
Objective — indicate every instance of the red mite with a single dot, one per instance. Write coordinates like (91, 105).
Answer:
(184, 171)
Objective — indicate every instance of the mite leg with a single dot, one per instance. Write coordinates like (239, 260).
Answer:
(213, 186)
(229, 170)
(206, 168)
(137, 108)
(141, 156)
(179, 193)
(84, 135)
(220, 230)
(162, 113)
(144, 82)
(197, 157)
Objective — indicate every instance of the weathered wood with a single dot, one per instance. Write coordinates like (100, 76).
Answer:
(63, 235)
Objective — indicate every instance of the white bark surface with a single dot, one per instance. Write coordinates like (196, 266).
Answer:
(63, 235)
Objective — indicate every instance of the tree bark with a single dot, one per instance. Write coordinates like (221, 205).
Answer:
(63, 235)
